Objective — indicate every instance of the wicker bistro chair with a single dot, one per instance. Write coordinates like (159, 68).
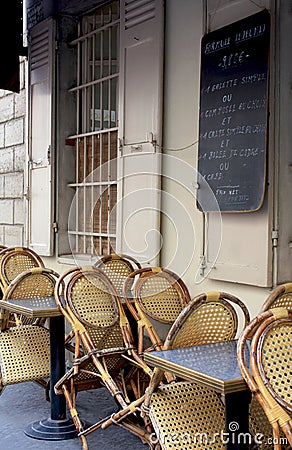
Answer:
(281, 296)
(269, 377)
(118, 267)
(25, 349)
(104, 347)
(185, 409)
(157, 298)
(14, 261)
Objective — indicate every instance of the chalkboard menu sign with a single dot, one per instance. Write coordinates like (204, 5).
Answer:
(233, 115)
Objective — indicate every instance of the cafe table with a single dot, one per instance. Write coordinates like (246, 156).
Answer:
(57, 426)
(213, 366)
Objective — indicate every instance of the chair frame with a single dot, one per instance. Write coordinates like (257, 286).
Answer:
(91, 353)
(226, 299)
(274, 406)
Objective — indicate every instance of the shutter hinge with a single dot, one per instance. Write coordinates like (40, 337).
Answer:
(55, 227)
(49, 154)
(275, 237)
(121, 143)
(203, 265)
(26, 193)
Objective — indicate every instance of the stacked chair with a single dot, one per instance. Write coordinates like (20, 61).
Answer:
(154, 297)
(103, 344)
(25, 348)
(117, 267)
(269, 375)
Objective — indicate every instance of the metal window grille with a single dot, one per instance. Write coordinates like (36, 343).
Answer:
(94, 228)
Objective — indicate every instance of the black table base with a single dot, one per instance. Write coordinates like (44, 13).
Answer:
(52, 430)
(57, 427)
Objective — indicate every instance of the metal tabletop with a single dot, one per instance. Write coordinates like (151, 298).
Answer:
(212, 365)
(32, 307)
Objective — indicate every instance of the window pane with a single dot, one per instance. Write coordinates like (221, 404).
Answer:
(94, 228)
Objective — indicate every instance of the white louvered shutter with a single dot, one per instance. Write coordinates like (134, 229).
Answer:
(41, 145)
(140, 125)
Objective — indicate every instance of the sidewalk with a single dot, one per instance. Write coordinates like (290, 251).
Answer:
(25, 403)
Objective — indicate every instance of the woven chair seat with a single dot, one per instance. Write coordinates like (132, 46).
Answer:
(24, 354)
(187, 416)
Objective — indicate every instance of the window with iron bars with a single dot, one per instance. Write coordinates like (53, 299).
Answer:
(92, 226)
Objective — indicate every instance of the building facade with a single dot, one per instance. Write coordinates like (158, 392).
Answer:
(99, 150)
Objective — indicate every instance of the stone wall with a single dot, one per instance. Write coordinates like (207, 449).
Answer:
(12, 164)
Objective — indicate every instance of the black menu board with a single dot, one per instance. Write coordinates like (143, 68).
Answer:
(233, 115)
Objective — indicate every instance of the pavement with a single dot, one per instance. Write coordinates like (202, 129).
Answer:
(25, 403)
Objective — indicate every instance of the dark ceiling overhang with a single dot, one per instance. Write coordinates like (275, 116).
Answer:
(11, 45)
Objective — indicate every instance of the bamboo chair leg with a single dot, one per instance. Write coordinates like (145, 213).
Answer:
(124, 412)
(75, 417)
(276, 436)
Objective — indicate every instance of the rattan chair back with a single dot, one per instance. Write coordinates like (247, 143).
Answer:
(92, 299)
(16, 260)
(37, 283)
(269, 375)
(158, 295)
(118, 267)
(281, 296)
(208, 318)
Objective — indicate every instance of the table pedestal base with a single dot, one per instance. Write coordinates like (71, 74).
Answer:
(52, 430)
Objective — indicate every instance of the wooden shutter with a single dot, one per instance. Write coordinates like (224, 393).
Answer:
(140, 125)
(41, 145)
